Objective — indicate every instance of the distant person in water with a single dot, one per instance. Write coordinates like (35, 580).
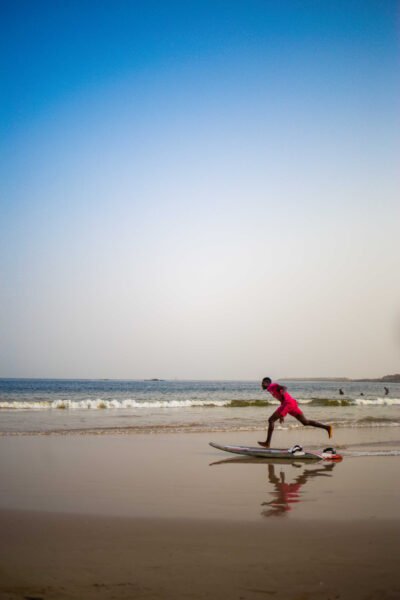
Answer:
(386, 391)
(341, 392)
(288, 406)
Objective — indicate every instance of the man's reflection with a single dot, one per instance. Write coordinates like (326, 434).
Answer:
(286, 494)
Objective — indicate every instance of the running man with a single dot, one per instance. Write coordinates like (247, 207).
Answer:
(288, 406)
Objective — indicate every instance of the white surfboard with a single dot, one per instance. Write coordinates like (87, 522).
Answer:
(295, 453)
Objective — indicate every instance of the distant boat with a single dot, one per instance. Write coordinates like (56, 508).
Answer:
(155, 379)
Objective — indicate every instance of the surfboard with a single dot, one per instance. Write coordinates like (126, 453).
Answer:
(294, 453)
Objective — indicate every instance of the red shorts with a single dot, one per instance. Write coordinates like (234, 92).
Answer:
(291, 408)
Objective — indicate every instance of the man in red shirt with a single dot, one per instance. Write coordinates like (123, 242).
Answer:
(288, 406)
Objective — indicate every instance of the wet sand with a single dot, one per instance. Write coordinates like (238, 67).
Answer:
(166, 516)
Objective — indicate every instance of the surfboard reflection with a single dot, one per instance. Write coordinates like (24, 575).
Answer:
(285, 494)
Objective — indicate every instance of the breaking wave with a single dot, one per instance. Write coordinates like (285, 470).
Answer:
(101, 404)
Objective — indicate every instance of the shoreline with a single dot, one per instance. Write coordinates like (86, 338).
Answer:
(373, 432)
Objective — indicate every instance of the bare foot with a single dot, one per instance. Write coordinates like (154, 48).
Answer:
(330, 430)
(263, 444)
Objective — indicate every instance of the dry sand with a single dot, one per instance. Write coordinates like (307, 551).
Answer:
(147, 517)
(69, 556)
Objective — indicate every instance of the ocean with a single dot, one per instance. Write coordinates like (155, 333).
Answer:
(58, 406)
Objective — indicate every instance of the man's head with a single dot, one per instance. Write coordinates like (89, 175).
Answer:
(266, 382)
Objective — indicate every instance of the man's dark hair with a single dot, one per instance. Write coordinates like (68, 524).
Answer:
(267, 379)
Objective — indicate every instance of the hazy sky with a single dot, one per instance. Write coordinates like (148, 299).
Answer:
(199, 189)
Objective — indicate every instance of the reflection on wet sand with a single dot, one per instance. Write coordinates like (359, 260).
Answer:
(285, 494)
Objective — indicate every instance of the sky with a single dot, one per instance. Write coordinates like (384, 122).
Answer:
(199, 189)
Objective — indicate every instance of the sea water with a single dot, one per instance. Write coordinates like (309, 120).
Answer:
(55, 406)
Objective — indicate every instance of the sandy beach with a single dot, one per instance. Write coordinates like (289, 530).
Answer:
(53, 556)
(166, 516)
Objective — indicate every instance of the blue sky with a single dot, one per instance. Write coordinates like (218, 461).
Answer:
(199, 189)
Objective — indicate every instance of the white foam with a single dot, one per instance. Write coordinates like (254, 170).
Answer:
(131, 403)
(377, 402)
(36, 405)
(99, 403)
(375, 453)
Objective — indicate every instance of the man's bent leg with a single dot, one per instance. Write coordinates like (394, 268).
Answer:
(300, 417)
